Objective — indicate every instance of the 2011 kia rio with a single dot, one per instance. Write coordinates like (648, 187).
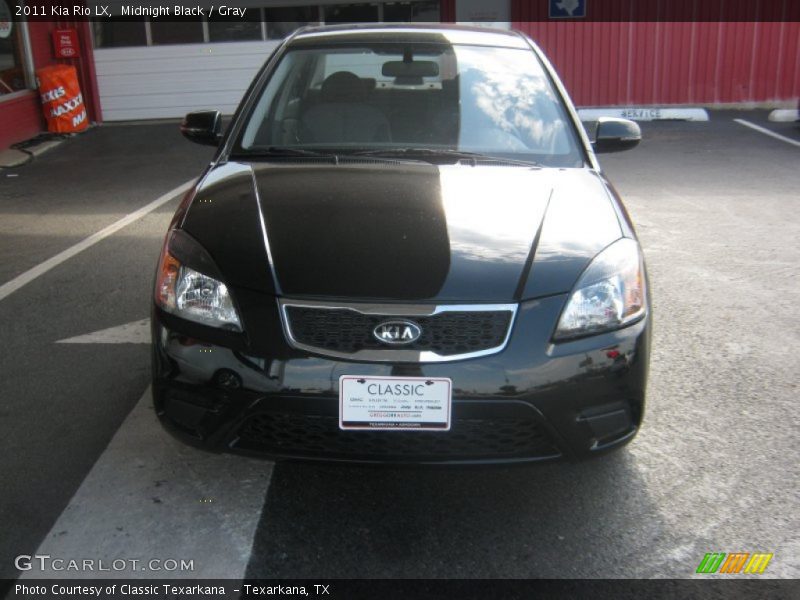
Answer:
(404, 250)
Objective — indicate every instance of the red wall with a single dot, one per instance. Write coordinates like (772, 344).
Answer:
(447, 11)
(20, 118)
(633, 52)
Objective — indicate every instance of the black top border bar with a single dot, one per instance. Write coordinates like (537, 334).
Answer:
(603, 11)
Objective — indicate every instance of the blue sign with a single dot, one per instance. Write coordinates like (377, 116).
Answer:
(567, 9)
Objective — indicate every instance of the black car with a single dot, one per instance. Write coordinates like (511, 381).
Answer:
(404, 250)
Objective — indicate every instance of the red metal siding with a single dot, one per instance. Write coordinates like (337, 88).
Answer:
(447, 11)
(20, 118)
(632, 52)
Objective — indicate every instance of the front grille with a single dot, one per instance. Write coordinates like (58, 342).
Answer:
(468, 438)
(347, 331)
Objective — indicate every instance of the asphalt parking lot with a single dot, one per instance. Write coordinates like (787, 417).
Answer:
(88, 473)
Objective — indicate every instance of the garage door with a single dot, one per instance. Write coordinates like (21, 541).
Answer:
(159, 82)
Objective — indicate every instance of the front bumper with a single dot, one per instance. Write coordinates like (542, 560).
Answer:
(533, 401)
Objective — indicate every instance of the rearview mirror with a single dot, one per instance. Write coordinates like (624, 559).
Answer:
(416, 68)
(203, 127)
(616, 135)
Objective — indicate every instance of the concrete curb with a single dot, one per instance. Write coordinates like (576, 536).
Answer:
(12, 157)
(784, 115)
(645, 113)
(40, 149)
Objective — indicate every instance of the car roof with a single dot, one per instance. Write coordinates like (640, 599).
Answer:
(408, 33)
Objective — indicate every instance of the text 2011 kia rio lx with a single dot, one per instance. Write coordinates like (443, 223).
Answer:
(404, 250)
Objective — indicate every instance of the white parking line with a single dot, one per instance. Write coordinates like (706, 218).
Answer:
(25, 278)
(765, 131)
(151, 498)
(135, 332)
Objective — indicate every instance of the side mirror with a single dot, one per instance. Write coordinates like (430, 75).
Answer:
(616, 135)
(203, 127)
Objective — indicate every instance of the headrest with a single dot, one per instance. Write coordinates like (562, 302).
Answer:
(342, 86)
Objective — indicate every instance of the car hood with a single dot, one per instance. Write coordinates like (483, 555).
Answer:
(402, 231)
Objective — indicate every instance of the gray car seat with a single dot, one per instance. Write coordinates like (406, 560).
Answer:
(343, 115)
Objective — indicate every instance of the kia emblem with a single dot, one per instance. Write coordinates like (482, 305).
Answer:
(397, 332)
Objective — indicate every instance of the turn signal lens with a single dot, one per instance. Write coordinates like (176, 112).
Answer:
(167, 277)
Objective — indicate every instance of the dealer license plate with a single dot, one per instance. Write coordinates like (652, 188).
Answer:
(395, 403)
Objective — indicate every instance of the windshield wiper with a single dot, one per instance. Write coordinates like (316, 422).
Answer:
(292, 152)
(284, 151)
(474, 157)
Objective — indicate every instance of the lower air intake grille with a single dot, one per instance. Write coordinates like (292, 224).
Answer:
(469, 438)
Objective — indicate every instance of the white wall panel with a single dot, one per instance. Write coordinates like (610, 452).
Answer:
(155, 82)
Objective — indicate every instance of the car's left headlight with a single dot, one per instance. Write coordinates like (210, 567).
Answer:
(190, 294)
(609, 294)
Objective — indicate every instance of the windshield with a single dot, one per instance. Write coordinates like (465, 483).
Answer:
(426, 100)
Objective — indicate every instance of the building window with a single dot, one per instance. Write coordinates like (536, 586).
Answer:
(351, 13)
(185, 31)
(12, 70)
(411, 12)
(114, 34)
(283, 21)
(269, 23)
(240, 30)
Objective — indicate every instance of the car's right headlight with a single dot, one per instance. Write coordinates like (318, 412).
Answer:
(190, 294)
(609, 294)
